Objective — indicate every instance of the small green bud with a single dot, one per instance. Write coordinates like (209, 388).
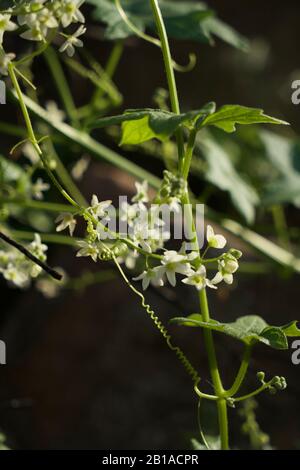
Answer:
(237, 254)
(120, 249)
(231, 402)
(261, 376)
(279, 383)
(272, 390)
(164, 192)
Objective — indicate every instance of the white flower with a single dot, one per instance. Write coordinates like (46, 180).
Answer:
(37, 248)
(227, 267)
(80, 168)
(173, 263)
(140, 234)
(46, 19)
(130, 212)
(5, 60)
(99, 209)
(69, 12)
(6, 25)
(141, 192)
(12, 274)
(38, 188)
(54, 112)
(198, 279)
(88, 249)
(189, 256)
(34, 34)
(129, 258)
(73, 41)
(174, 204)
(66, 221)
(214, 241)
(152, 276)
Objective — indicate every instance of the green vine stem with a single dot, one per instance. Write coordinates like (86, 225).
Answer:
(169, 72)
(32, 137)
(241, 373)
(184, 167)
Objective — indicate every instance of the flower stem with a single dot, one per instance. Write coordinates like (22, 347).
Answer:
(241, 373)
(32, 137)
(184, 167)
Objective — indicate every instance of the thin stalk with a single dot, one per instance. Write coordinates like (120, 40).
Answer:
(241, 373)
(31, 134)
(281, 226)
(66, 178)
(114, 59)
(253, 394)
(189, 154)
(39, 205)
(62, 85)
(169, 72)
(45, 237)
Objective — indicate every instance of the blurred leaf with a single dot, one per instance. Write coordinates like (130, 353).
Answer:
(2, 442)
(222, 174)
(249, 329)
(228, 116)
(183, 20)
(39, 220)
(284, 155)
(10, 171)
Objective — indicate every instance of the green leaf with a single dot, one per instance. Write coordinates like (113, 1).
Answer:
(221, 173)
(291, 329)
(183, 19)
(228, 116)
(249, 329)
(141, 125)
(216, 27)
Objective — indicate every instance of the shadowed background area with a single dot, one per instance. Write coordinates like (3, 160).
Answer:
(87, 369)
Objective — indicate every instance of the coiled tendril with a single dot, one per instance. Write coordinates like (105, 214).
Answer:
(190, 369)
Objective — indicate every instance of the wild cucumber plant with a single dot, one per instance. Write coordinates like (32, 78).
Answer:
(43, 21)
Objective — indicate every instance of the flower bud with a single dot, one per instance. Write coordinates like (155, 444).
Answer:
(235, 253)
(261, 376)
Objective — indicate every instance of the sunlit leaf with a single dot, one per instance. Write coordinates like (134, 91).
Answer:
(141, 125)
(249, 329)
(228, 116)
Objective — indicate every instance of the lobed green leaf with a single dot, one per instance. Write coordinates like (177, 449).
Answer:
(228, 116)
(141, 125)
(249, 329)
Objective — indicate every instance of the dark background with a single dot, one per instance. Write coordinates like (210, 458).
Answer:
(89, 370)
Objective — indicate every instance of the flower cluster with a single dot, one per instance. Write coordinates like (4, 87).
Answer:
(39, 21)
(19, 270)
(145, 239)
(192, 266)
